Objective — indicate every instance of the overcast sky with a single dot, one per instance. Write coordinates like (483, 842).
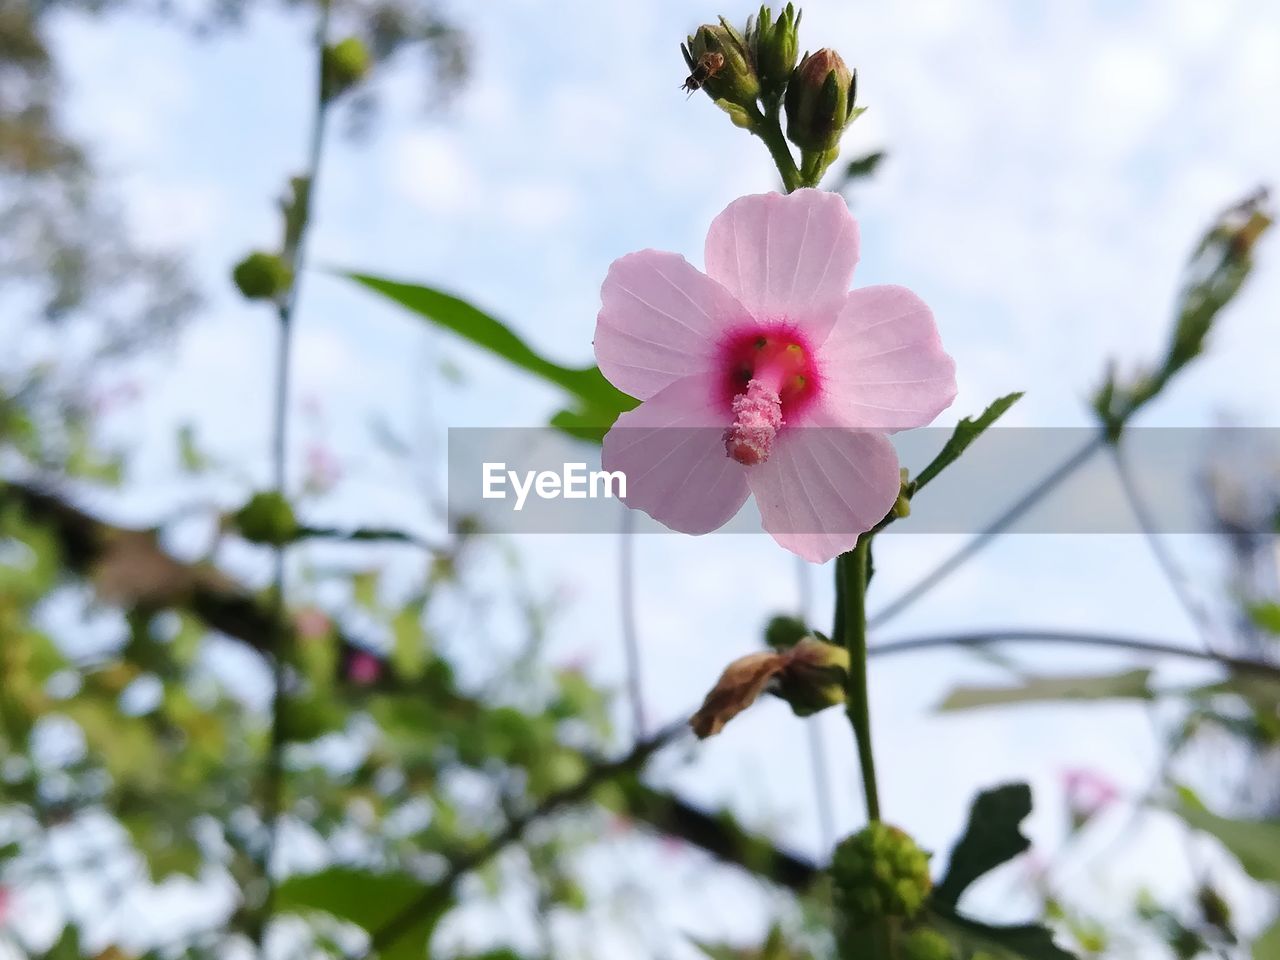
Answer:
(1049, 167)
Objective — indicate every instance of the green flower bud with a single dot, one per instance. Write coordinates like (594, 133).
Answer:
(261, 276)
(820, 102)
(345, 65)
(720, 63)
(926, 944)
(879, 873)
(775, 46)
(783, 633)
(814, 676)
(267, 518)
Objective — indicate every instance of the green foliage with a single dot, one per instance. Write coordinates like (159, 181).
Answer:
(1255, 843)
(965, 432)
(372, 901)
(1267, 945)
(991, 838)
(1027, 941)
(262, 276)
(1129, 685)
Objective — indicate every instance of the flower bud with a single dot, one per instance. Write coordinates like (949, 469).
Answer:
(345, 64)
(879, 872)
(783, 633)
(926, 944)
(814, 677)
(775, 45)
(721, 64)
(261, 276)
(267, 518)
(820, 101)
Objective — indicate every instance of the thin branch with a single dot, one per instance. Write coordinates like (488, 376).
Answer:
(377, 535)
(294, 255)
(1178, 582)
(817, 747)
(1033, 635)
(949, 566)
(630, 632)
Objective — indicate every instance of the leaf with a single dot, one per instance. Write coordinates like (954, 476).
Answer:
(1130, 685)
(1029, 941)
(965, 432)
(863, 166)
(409, 648)
(369, 900)
(1267, 946)
(1266, 616)
(602, 400)
(991, 838)
(1255, 843)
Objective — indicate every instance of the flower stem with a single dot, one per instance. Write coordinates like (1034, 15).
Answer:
(768, 129)
(852, 571)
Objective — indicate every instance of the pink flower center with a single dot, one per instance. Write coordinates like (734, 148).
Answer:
(769, 377)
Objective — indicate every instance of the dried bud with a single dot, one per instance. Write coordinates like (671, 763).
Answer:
(720, 63)
(345, 65)
(814, 677)
(810, 676)
(775, 45)
(820, 101)
(738, 688)
(261, 276)
(879, 872)
(267, 518)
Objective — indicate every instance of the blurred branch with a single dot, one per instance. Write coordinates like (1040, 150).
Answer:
(1045, 486)
(371, 535)
(985, 638)
(1174, 574)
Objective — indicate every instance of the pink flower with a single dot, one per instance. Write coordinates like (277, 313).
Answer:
(364, 669)
(323, 469)
(6, 901)
(311, 623)
(767, 376)
(1088, 793)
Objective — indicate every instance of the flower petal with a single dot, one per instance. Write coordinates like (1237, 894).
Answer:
(883, 365)
(659, 321)
(823, 485)
(786, 257)
(671, 449)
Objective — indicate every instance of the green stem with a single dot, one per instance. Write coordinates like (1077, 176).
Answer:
(851, 588)
(768, 129)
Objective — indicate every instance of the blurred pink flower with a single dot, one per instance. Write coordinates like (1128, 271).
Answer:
(323, 469)
(1088, 793)
(6, 903)
(767, 376)
(363, 668)
(311, 624)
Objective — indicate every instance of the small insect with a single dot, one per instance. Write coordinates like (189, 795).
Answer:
(708, 65)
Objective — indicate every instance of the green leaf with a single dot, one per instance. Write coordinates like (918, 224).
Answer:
(1028, 941)
(860, 167)
(1266, 616)
(369, 900)
(1130, 685)
(1255, 843)
(602, 401)
(409, 649)
(966, 431)
(991, 837)
(1267, 946)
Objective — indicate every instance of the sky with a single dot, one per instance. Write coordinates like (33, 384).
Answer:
(1049, 168)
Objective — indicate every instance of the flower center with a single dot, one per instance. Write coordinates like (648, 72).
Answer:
(770, 375)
